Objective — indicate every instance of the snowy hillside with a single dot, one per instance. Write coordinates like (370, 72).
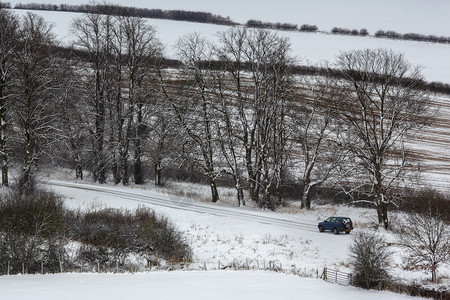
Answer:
(217, 233)
(312, 48)
(224, 235)
(419, 16)
(309, 48)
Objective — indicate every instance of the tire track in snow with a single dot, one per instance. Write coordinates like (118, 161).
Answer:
(219, 211)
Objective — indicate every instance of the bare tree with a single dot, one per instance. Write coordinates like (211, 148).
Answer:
(163, 139)
(427, 237)
(144, 53)
(229, 143)
(257, 66)
(193, 106)
(135, 48)
(9, 25)
(73, 122)
(36, 89)
(382, 104)
(93, 34)
(370, 259)
(314, 129)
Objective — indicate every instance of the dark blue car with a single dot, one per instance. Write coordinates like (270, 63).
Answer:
(336, 224)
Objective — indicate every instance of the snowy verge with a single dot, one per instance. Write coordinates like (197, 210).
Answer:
(180, 285)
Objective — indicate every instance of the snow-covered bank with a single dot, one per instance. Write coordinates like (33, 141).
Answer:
(246, 236)
(180, 285)
(426, 17)
(310, 48)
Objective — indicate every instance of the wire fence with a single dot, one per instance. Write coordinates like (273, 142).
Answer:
(121, 267)
(329, 275)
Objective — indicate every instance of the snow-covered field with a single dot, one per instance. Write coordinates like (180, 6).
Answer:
(218, 232)
(309, 48)
(243, 235)
(179, 285)
(312, 48)
(420, 16)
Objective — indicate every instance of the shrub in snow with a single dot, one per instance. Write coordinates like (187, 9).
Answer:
(370, 258)
(110, 235)
(426, 235)
(32, 231)
(161, 234)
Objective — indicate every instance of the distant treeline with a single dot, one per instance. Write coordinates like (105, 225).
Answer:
(390, 34)
(361, 32)
(412, 37)
(436, 87)
(177, 15)
(205, 17)
(281, 26)
(355, 32)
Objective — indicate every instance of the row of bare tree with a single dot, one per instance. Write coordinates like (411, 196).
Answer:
(234, 109)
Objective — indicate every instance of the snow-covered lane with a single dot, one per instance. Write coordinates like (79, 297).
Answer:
(224, 233)
(177, 203)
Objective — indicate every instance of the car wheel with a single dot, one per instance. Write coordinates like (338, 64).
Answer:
(347, 232)
(321, 229)
(335, 230)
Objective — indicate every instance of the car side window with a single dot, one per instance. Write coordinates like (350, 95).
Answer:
(328, 220)
(333, 220)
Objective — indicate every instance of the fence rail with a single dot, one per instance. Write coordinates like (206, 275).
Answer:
(335, 276)
(40, 267)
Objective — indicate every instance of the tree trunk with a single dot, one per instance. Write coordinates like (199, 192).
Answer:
(78, 166)
(239, 190)
(306, 197)
(99, 172)
(3, 143)
(382, 213)
(138, 171)
(79, 171)
(116, 172)
(125, 174)
(433, 272)
(214, 192)
(157, 171)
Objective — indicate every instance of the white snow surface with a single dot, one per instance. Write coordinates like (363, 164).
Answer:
(419, 16)
(309, 48)
(179, 285)
(218, 233)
